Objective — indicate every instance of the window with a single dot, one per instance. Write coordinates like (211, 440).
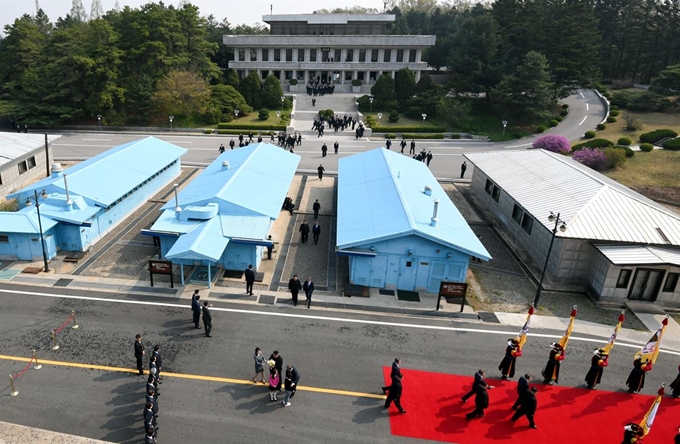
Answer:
(362, 56)
(527, 223)
(4, 239)
(241, 55)
(387, 55)
(373, 75)
(374, 55)
(409, 263)
(361, 75)
(265, 55)
(412, 56)
(350, 55)
(496, 193)
(348, 77)
(400, 55)
(671, 283)
(289, 55)
(517, 214)
(265, 73)
(277, 55)
(30, 162)
(338, 55)
(312, 55)
(488, 187)
(22, 167)
(624, 278)
(301, 55)
(300, 76)
(289, 75)
(253, 55)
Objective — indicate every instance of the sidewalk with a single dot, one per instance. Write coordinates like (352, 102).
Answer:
(17, 434)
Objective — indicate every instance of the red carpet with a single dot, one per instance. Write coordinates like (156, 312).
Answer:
(564, 416)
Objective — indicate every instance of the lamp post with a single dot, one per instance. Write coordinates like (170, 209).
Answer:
(99, 117)
(36, 198)
(424, 117)
(236, 113)
(370, 99)
(278, 115)
(505, 123)
(562, 228)
(379, 117)
(282, 100)
(171, 118)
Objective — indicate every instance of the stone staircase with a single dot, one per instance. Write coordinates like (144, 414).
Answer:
(339, 103)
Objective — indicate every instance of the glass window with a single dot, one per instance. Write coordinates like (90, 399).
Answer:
(387, 55)
(488, 187)
(22, 167)
(517, 213)
(4, 238)
(361, 75)
(265, 55)
(312, 55)
(289, 55)
(374, 55)
(496, 193)
(289, 75)
(253, 55)
(338, 55)
(362, 56)
(348, 77)
(412, 56)
(373, 75)
(301, 55)
(30, 162)
(671, 282)
(277, 55)
(400, 55)
(265, 73)
(350, 55)
(241, 55)
(527, 223)
(624, 278)
(300, 75)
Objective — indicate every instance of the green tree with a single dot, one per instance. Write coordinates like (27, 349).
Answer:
(227, 99)
(383, 92)
(270, 96)
(455, 113)
(231, 78)
(251, 88)
(426, 84)
(183, 94)
(404, 85)
(669, 78)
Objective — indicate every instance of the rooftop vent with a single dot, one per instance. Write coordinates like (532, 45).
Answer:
(428, 190)
(433, 221)
(663, 235)
(225, 165)
(57, 169)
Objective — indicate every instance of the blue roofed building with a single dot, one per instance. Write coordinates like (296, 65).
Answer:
(80, 205)
(223, 217)
(398, 226)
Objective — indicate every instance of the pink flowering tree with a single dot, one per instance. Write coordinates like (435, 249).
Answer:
(591, 157)
(553, 142)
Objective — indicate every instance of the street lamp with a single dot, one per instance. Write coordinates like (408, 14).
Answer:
(370, 99)
(562, 228)
(42, 237)
(171, 117)
(282, 99)
(505, 123)
(99, 117)
(236, 113)
(379, 117)
(424, 117)
(278, 114)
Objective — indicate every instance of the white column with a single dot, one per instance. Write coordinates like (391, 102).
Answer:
(407, 54)
(259, 54)
(355, 55)
(419, 53)
(306, 54)
(418, 76)
(393, 55)
(381, 55)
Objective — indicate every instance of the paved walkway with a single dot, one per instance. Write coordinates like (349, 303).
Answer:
(17, 434)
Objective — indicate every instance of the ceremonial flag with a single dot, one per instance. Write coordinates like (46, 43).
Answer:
(648, 420)
(610, 345)
(651, 350)
(522, 336)
(565, 339)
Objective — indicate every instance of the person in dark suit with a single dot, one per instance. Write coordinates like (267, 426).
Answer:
(250, 279)
(278, 365)
(336, 147)
(394, 394)
(294, 285)
(196, 308)
(139, 353)
(207, 319)
(320, 170)
(304, 231)
(149, 417)
(308, 287)
(479, 378)
(395, 373)
(481, 402)
(522, 389)
(316, 207)
(527, 407)
(151, 399)
(316, 232)
(159, 360)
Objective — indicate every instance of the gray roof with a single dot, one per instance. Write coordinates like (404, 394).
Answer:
(334, 19)
(15, 145)
(639, 254)
(594, 206)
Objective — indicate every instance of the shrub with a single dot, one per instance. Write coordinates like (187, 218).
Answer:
(455, 136)
(625, 141)
(672, 145)
(632, 123)
(356, 82)
(565, 106)
(235, 124)
(541, 129)
(564, 113)
(613, 112)
(553, 123)
(591, 157)
(553, 142)
(589, 134)
(655, 136)
(390, 136)
(611, 119)
(559, 118)
(422, 136)
(293, 81)
(595, 143)
(646, 147)
(629, 151)
(614, 108)
(394, 116)
(263, 114)
(601, 126)
(636, 100)
(616, 157)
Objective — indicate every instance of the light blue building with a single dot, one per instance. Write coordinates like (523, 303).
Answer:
(398, 226)
(80, 205)
(223, 217)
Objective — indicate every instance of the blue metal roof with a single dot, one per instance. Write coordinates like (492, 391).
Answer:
(24, 221)
(381, 195)
(203, 242)
(255, 182)
(108, 176)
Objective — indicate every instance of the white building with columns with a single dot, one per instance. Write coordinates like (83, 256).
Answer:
(335, 48)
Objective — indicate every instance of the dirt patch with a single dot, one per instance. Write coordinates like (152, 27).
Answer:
(670, 196)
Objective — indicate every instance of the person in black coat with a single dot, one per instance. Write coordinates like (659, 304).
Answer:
(196, 308)
(139, 353)
(321, 170)
(597, 364)
(207, 319)
(522, 389)
(636, 378)
(316, 232)
(481, 402)
(294, 285)
(316, 207)
(159, 360)
(528, 407)
(308, 287)
(151, 399)
(394, 374)
(388, 143)
(278, 365)
(675, 385)
(551, 372)
(479, 378)
(394, 394)
(507, 365)
(250, 279)
(632, 433)
(294, 375)
(304, 231)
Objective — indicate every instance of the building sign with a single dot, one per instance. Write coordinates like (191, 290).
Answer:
(161, 267)
(325, 49)
(452, 290)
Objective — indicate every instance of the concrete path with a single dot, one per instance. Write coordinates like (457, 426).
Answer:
(16, 434)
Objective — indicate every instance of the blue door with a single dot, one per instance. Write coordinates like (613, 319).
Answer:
(378, 272)
(408, 268)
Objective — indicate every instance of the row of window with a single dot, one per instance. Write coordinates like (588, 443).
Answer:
(326, 55)
(668, 286)
(325, 76)
(25, 165)
(518, 214)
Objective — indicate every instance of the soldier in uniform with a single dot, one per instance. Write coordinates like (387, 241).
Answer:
(632, 433)
(636, 379)
(507, 365)
(551, 372)
(597, 364)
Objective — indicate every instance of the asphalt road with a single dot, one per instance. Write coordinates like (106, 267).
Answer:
(337, 351)
(586, 111)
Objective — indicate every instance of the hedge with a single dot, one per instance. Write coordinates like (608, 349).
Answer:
(614, 112)
(249, 126)
(553, 123)
(541, 129)
(655, 136)
(646, 147)
(455, 136)
(293, 81)
(207, 131)
(356, 82)
(625, 141)
(614, 108)
(601, 126)
(564, 113)
(672, 145)
(559, 118)
(611, 119)
(422, 136)
(595, 143)
(589, 134)
(410, 129)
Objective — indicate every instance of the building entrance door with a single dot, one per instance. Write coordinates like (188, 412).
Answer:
(324, 77)
(408, 267)
(646, 284)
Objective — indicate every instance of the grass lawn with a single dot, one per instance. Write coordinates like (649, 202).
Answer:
(403, 121)
(658, 168)
(650, 122)
(253, 119)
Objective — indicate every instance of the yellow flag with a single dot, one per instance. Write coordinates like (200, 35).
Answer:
(522, 336)
(651, 349)
(610, 345)
(565, 339)
(648, 420)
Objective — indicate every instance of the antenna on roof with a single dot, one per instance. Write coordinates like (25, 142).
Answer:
(271, 9)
